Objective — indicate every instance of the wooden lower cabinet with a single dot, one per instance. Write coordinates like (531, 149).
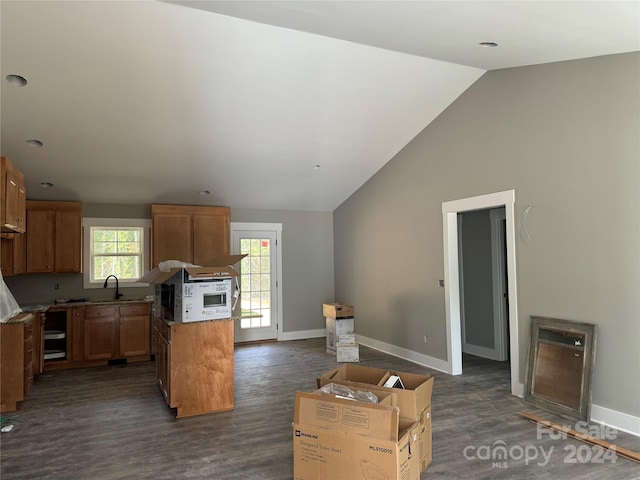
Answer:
(19, 359)
(195, 365)
(100, 333)
(116, 332)
(134, 339)
(96, 334)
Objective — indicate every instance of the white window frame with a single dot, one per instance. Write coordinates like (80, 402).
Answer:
(88, 222)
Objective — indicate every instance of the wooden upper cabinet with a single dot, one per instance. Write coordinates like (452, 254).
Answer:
(12, 253)
(171, 234)
(40, 240)
(54, 237)
(12, 198)
(211, 235)
(194, 234)
(68, 247)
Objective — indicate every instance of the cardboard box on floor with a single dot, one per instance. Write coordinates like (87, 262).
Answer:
(336, 310)
(335, 328)
(347, 353)
(336, 438)
(414, 401)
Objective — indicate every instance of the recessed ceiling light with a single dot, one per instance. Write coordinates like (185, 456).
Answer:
(488, 44)
(46, 184)
(204, 192)
(316, 167)
(35, 143)
(16, 80)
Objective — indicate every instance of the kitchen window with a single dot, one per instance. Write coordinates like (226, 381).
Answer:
(117, 247)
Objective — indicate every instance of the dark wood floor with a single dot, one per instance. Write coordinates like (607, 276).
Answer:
(112, 423)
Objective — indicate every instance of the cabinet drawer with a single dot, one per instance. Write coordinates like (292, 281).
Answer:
(137, 309)
(100, 312)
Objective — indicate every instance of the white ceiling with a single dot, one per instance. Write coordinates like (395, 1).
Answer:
(150, 102)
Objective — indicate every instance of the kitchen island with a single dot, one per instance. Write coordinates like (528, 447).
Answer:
(194, 365)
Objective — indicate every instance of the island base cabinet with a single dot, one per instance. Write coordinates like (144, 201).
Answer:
(195, 366)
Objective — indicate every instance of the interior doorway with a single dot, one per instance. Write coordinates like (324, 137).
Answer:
(483, 283)
(450, 211)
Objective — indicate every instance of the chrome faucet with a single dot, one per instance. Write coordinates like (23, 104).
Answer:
(106, 280)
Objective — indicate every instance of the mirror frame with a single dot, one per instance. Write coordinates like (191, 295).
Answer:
(554, 324)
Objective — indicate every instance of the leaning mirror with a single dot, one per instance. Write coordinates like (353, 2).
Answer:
(560, 366)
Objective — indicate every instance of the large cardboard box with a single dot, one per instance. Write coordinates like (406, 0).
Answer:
(335, 328)
(336, 310)
(412, 400)
(425, 435)
(341, 439)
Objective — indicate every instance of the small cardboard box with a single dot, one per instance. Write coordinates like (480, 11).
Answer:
(336, 310)
(335, 328)
(412, 400)
(347, 353)
(336, 439)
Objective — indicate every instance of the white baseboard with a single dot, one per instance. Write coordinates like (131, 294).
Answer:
(302, 334)
(415, 357)
(614, 419)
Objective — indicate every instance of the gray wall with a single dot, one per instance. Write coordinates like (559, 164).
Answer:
(307, 263)
(565, 136)
(477, 278)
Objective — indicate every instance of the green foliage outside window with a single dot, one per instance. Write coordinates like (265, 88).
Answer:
(116, 251)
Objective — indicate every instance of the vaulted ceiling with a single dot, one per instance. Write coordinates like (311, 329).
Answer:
(276, 105)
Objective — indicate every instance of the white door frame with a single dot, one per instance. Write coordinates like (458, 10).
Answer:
(272, 227)
(450, 212)
(498, 260)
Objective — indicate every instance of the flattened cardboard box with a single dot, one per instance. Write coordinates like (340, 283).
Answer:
(329, 444)
(219, 267)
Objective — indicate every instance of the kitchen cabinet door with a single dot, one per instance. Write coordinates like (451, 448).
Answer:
(211, 235)
(12, 198)
(171, 237)
(100, 333)
(40, 241)
(68, 240)
(134, 338)
(163, 359)
(13, 254)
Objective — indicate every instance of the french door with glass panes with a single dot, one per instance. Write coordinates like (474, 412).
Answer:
(258, 285)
